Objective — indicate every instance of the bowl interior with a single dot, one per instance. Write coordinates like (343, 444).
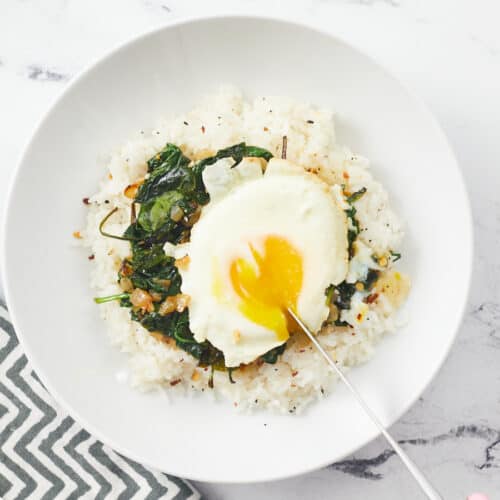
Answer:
(165, 72)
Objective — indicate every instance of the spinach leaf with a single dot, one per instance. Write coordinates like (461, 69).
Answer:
(146, 256)
(110, 298)
(237, 153)
(355, 196)
(395, 256)
(156, 212)
(166, 177)
(341, 294)
(272, 356)
(169, 155)
(344, 294)
(371, 278)
(353, 231)
(151, 270)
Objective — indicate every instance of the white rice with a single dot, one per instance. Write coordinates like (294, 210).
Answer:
(221, 120)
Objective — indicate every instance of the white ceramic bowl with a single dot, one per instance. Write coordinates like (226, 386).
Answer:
(165, 71)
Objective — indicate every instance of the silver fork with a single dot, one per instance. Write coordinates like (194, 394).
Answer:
(417, 474)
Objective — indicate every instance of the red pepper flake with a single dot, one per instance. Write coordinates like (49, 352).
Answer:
(203, 129)
(235, 404)
(302, 350)
(359, 316)
(77, 235)
(175, 382)
(86, 201)
(294, 373)
(266, 129)
(345, 175)
(91, 257)
(371, 298)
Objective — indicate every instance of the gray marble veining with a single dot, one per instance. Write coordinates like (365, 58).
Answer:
(36, 72)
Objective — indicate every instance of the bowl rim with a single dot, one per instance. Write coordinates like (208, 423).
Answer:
(306, 23)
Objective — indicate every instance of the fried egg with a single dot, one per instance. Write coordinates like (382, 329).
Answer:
(267, 241)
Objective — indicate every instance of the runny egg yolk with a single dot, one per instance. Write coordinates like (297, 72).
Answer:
(270, 284)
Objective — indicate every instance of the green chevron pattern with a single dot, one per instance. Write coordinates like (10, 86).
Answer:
(45, 454)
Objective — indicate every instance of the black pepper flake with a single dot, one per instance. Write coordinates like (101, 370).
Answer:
(86, 201)
(91, 257)
(310, 121)
(106, 201)
(203, 129)
(186, 123)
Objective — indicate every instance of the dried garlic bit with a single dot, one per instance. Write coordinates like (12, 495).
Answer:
(142, 299)
(126, 284)
(173, 303)
(236, 336)
(183, 263)
(333, 314)
(131, 190)
(182, 301)
(167, 306)
(394, 286)
(382, 261)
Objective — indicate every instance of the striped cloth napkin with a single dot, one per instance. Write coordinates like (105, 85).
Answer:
(45, 454)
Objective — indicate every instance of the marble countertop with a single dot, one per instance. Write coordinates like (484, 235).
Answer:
(448, 52)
